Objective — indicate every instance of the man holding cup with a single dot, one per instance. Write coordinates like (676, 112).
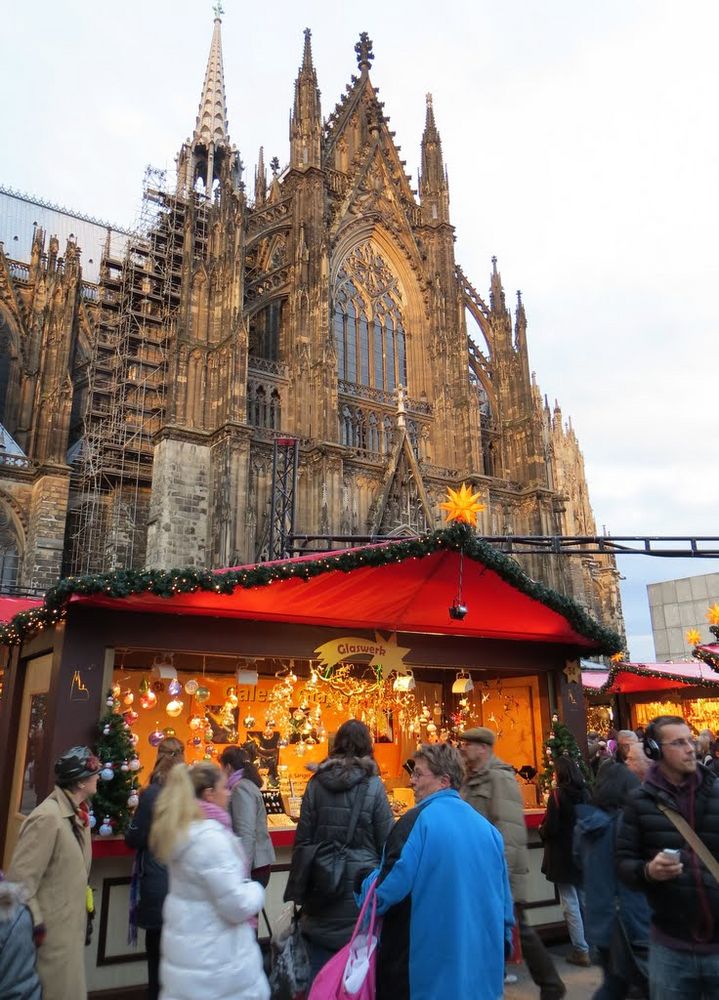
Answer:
(656, 857)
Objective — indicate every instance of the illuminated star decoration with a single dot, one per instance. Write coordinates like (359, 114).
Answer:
(573, 672)
(461, 505)
(617, 658)
(693, 637)
(392, 658)
(712, 614)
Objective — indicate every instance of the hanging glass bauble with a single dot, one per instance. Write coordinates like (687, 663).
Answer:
(174, 688)
(437, 710)
(92, 820)
(134, 764)
(110, 702)
(156, 737)
(248, 721)
(283, 743)
(144, 685)
(174, 707)
(191, 686)
(105, 827)
(148, 699)
(232, 700)
(134, 739)
(209, 733)
(105, 730)
(202, 694)
(210, 750)
(133, 800)
(196, 722)
(431, 728)
(125, 766)
(128, 697)
(116, 690)
(196, 741)
(130, 716)
(107, 773)
(169, 731)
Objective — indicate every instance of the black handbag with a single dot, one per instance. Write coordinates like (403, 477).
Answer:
(330, 860)
(298, 880)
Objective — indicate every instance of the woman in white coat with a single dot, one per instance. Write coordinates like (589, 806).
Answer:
(208, 947)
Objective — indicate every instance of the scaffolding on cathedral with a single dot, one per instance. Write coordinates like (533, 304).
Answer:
(139, 294)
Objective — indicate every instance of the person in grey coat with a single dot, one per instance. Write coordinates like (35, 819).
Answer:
(18, 976)
(348, 772)
(248, 813)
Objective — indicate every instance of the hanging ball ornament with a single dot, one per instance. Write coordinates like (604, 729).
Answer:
(116, 690)
(134, 739)
(130, 716)
(169, 731)
(210, 750)
(196, 722)
(232, 699)
(431, 728)
(144, 685)
(133, 800)
(107, 773)
(105, 827)
(110, 702)
(148, 699)
(105, 730)
(134, 764)
(196, 741)
(129, 697)
(92, 820)
(174, 688)
(125, 766)
(202, 694)
(191, 686)
(156, 737)
(209, 733)
(174, 707)
(248, 721)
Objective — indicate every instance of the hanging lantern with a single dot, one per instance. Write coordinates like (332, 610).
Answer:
(191, 686)
(174, 707)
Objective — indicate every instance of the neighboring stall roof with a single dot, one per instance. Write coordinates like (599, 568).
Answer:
(630, 678)
(11, 606)
(399, 586)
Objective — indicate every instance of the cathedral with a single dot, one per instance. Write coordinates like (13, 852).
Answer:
(266, 364)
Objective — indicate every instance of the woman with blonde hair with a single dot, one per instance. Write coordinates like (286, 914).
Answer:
(208, 946)
(149, 876)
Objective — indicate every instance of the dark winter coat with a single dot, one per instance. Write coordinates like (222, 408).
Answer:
(18, 977)
(325, 816)
(594, 842)
(557, 832)
(614, 783)
(153, 878)
(685, 908)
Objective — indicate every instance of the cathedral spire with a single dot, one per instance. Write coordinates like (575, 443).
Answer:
(496, 289)
(306, 121)
(211, 138)
(260, 179)
(433, 187)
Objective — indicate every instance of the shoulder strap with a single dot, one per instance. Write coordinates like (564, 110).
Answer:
(356, 808)
(692, 838)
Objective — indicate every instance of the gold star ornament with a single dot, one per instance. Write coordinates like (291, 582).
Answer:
(617, 658)
(573, 672)
(712, 614)
(461, 505)
(693, 637)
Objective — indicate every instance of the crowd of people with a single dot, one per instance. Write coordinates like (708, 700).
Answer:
(632, 852)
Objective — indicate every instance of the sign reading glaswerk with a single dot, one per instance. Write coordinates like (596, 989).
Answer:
(384, 654)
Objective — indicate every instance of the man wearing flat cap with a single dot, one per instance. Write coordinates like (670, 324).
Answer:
(491, 788)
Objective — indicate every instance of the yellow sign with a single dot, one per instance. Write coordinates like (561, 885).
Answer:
(382, 653)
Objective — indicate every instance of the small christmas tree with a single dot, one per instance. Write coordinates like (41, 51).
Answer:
(560, 743)
(116, 796)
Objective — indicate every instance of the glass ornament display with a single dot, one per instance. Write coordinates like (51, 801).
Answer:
(191, 686)
(174, 707)
(202, 694)
(174, 688)
(148, 699)
(196, 722)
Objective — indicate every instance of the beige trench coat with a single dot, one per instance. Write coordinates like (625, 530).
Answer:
(52, 865)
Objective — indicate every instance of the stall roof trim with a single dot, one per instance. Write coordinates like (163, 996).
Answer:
(400, 586)
(631, 678)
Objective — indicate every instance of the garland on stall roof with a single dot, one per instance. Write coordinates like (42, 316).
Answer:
(641, 670)
(161, 583)
(703, 653)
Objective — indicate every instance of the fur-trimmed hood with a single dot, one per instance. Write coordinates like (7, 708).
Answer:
(12, 895)
(339, 773)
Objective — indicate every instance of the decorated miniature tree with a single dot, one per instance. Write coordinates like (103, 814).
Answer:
(116, 796)
(560, 743)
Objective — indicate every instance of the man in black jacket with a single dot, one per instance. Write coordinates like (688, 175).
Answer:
(682, 893)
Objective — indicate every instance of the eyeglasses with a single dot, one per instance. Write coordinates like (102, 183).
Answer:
(679, 743)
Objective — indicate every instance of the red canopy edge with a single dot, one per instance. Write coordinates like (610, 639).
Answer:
(630, 678)
(11, 606)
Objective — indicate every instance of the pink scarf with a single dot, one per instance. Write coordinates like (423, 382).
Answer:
(234, 778)
(212, 811)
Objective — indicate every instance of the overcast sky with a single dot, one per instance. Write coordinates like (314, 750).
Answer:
(582, 146)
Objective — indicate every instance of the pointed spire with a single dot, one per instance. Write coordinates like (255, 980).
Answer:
(433, 187)
(211, 125)
(260, 179)
(520, 323)
(306, 120)
(365, 55)
(496, 290)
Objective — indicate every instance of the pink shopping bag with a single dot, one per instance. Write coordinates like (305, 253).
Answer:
(351, 973)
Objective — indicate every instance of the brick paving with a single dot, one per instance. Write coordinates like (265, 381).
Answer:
(581, 983)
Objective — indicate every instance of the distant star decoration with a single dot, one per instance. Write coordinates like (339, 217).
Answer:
(693, 637)
(462, 505)
(712, 614)
(573, 672)
(617, 658)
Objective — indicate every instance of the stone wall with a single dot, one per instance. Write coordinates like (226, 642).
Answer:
(177, 532)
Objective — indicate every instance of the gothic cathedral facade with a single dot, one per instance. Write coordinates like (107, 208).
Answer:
(325, 311)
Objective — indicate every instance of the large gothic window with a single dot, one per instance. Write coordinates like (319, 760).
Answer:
(264, 332)
(368, 324)
(9, 551)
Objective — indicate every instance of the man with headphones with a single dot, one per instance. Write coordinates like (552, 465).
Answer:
(654, 857)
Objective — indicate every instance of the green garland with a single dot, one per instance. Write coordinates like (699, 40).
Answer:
(457, 537)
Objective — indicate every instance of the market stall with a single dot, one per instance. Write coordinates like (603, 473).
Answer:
(419, 637)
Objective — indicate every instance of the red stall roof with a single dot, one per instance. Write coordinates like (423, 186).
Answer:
(10, 606)
(407, 586)
(630, 678)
